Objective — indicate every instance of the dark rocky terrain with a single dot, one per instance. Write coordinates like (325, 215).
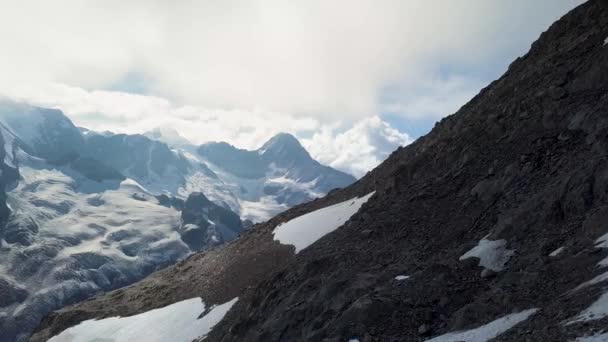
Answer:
(524, 164)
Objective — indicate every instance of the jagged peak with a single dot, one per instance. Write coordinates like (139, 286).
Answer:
(281, 144)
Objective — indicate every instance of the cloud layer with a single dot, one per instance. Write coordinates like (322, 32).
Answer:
(331, 72)
(307, 58)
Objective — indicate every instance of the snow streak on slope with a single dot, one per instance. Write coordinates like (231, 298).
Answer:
(594, 338)
(178, 322)
(599, 308)
(303, 231)
(488, 331)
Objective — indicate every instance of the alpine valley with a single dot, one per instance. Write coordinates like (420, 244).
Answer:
(86, 212)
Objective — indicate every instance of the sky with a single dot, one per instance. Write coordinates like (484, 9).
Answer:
(352, 79)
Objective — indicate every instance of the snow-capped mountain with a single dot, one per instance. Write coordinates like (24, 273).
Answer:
(170, 136)
(72, 232)
(493, 227)
(84, 212)
(278, 175)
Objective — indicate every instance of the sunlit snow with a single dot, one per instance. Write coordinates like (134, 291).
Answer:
(593, 338)
(303, 231)
(601, 242)
(492, 255)
(486, 332)
(177, 322)
(597, 310)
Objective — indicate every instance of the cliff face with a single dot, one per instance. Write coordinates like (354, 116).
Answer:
(498, 216)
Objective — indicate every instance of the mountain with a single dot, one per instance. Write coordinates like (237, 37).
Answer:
(76, 227)
(83, 212)
(211, 226)
(283, 169)
(491, 227)
(169, 136)
(42, 132)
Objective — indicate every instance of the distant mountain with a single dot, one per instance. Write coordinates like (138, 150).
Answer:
(289, 173)
(42, 132)
(83, 212)
(169, 136)
(492, 227)
(73, 226)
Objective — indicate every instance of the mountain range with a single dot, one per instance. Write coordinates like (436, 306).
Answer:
(491, 227)
(85, 211)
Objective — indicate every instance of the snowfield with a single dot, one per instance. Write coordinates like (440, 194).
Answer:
(486, 332)
(303, 231)
(177, 322)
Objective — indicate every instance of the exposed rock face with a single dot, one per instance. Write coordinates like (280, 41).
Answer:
(8, 175)
(521, 167)
(137, 157)
(205, 224)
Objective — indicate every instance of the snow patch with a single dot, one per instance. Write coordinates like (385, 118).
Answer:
(305, 230)
(601, 242)
(594, 338)
(486, 332)
(557, 252)
(597, 310)
(493, 255)
(176, 322)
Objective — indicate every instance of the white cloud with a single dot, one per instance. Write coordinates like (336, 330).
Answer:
(358, 149)
(317, 57)
(243, 70)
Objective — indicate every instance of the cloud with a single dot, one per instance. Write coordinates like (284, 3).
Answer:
(327, 59)
(358, 149)
(331, 72)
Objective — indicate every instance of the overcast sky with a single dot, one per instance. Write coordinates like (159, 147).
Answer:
(353, 79)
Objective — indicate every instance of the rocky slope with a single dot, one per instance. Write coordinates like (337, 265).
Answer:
(494, 225)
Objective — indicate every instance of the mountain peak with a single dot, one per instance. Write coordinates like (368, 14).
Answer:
(168, 135)
(283, 144)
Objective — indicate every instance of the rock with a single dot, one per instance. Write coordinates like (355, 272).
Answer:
(444, 301)
(557, 93)
(367, 232)
(424, 330)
